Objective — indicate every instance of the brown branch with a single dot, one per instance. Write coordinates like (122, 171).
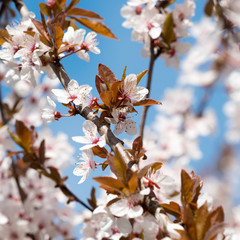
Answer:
(153, 57)
(103, 127)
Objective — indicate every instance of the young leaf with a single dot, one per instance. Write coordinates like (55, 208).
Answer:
(41, 30)
(208, 9)
(110, 183)
(133, 182)
(83, 13)
(140, 75)
(153, 166)
(172, 208)
(58, 36)
(106, 75)
(118, 167)
(186, 188)
(41, 152)
(96, 26)
(4, 36)
(146, 102)
(100, 152)
(72, 4)
(107, 98)
(24, 135)
(92, 201)
(100, 84)
(44, 8)
(168, 31)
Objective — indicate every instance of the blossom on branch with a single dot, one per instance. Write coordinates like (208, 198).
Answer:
(84, 168)
(75, 93)
(91, 136)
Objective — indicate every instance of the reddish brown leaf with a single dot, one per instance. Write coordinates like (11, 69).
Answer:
(200, 220)
(110, 183)
(100, 84)
(172, 208)
(41, 152)
(214, 231)
(42, 31)
(4, 36)
(44, 8)
(168, 29)
(137, 144)
(106, 75)
(116, 86)
(24, 135)
(140, 76)
(100, 152)
(92, 201)
(118, 167)
(133, 182)
(10, 154)
(54, 174)
(96, 26)
(124, 73)
(153, 166)
(146, 102)
(186, 188)
(107, 97)
(58, 36)
(83, 13)
(60, 19)
(72, 4)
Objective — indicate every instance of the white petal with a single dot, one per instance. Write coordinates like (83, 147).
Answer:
(124, 225)
(83, 55)
(119, 128)
(90, 129)
(102, 141)
(131, 127)
(73, 85)
(62, 95)
(81, 139)
(135, 212)
(51, 103)
(119, 208)
(81, 169)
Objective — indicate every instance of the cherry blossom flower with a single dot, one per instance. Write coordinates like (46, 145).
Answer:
(150, 3)
(91, 136)
(127, 207)
(83, 169)
(90, 44)
(130, 89)
(171, 57)
(76, 94)
(121, 121)
(72, 37)
(48, 114)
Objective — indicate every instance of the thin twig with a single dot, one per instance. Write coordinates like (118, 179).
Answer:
(153, 57)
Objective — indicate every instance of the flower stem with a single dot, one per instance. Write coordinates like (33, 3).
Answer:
(153, 57)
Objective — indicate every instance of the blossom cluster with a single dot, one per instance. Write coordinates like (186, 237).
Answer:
(150, 21)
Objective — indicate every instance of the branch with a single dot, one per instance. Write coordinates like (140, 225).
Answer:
(153, 57)
(103, 127)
